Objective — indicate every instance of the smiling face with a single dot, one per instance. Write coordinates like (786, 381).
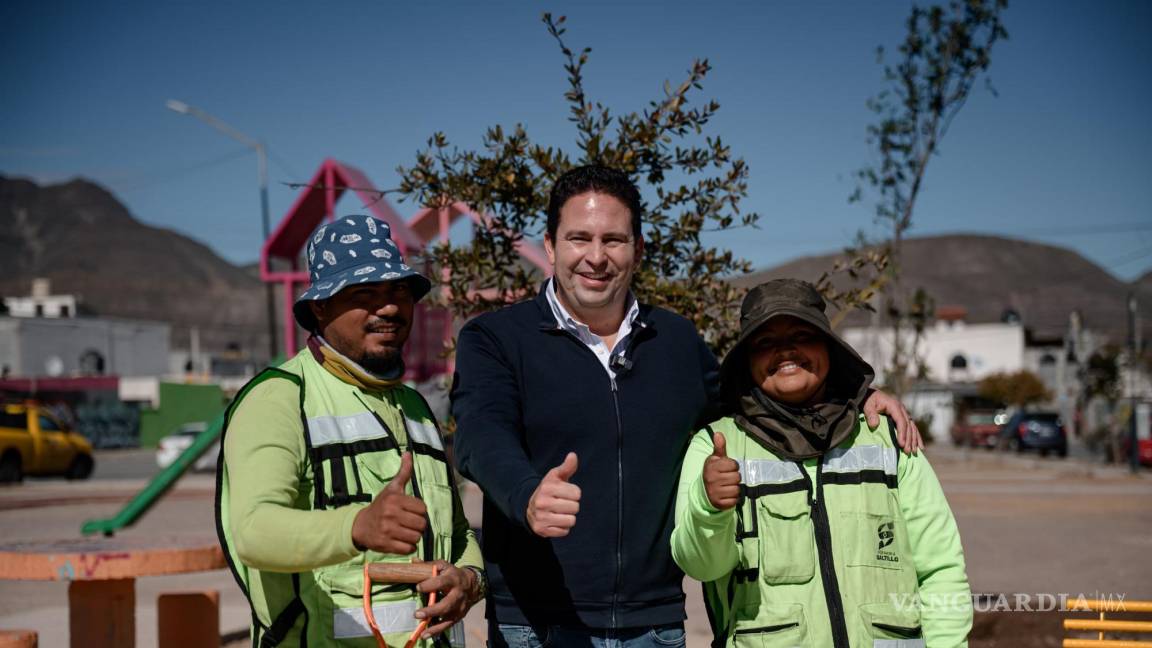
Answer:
(788, 360)
(593, 256)
(368, 323)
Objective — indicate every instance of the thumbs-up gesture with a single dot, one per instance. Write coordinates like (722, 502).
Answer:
(394, 521)
(721, 475)
(553, 507)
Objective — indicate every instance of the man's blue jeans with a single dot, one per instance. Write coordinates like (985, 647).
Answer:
(521, 636)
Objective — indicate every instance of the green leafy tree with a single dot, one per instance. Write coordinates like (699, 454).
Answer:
(1020, 388)
(1101, 374)
(1100, 377)
(946, 49)
(691, 184)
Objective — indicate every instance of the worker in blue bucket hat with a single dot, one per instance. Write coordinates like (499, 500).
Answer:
(330, 462)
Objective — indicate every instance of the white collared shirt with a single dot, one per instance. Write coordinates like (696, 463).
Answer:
(594, 342)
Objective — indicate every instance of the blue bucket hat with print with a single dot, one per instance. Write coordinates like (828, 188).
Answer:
(348, 251)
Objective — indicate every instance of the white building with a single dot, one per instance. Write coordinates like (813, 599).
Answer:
(36, 347)
(952, 350)
(41, 303)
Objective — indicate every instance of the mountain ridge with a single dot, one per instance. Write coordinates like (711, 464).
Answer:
(78, 235)
(988, 275)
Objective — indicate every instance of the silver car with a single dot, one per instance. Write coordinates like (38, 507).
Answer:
(175, 444)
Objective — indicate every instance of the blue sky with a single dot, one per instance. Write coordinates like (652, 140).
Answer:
(1063, 154)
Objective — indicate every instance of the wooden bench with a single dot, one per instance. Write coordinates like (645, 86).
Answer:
(101, 575)
(19, 639)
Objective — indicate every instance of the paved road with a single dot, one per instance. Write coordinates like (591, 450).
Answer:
(1030, 526)
(125, 464)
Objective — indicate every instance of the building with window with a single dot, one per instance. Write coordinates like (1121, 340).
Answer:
(952, 350)
(59, 347)
(957, 354)
(41, 303)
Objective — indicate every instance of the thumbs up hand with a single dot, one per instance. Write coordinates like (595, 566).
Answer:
(553, 507)
(721, 476)
(394, 521)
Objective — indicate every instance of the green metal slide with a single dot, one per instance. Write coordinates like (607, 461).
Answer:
(159, 485)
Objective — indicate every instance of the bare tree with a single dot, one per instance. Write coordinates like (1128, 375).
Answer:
(946, 49)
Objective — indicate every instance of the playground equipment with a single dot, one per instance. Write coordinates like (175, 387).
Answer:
(147, 498)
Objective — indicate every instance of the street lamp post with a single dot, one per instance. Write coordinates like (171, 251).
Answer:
(262, 170)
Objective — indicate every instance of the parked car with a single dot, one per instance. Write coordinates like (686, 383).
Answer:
(173, 445)
(35, 442)
(978, 428)
(1043, 431)
(1143, 448)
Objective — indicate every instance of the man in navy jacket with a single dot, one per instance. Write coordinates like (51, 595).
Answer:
(573, 411)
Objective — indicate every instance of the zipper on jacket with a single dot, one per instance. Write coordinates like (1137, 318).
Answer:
(827, 564)
(630, 343)
(619, 500)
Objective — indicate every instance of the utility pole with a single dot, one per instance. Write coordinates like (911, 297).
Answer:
(1133, 444)
(262, 173)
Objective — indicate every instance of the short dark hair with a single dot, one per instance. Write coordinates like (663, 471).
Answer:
(598, 178)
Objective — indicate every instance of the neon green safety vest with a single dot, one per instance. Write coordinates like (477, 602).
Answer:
(823, 552)
(352, 457)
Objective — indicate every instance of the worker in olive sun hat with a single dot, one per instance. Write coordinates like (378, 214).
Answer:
(807, 526)
(329, 461)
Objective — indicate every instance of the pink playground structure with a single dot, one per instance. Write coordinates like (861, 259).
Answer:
(432, 327)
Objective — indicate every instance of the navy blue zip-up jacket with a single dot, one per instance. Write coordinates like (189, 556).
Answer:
(526, 393)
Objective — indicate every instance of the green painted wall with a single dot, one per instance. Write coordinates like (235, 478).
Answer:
(179, 404)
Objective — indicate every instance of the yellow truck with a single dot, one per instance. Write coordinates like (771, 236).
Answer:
(34, 442)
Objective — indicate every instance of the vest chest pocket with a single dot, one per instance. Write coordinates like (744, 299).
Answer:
(376, 470)
(787, 551)
(875, 535)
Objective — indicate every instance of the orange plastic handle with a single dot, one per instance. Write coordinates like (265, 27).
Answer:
(371, 618)
(415, 636)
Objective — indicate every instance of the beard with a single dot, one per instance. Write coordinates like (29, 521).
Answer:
(386, 364)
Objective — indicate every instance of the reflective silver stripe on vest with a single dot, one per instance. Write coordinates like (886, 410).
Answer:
(861, 458)
(390, 617)
(423, 432)
(348, 623)
(898, 643)
(754, 472)
(327, 430)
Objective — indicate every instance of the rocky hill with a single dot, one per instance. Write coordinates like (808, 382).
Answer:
(78, 235)
(988, 275)
(84, 240)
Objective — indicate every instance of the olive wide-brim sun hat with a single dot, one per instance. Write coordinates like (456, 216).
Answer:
(769, 300)
(348, 251)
